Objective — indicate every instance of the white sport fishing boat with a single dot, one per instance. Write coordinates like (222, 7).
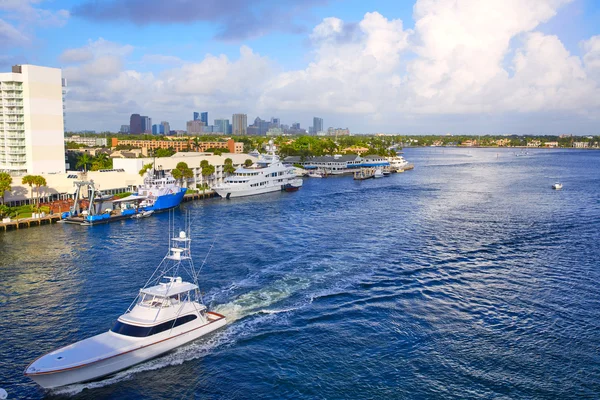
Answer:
(269, 174)
(167, 313)
(557, 186)
(378, 173)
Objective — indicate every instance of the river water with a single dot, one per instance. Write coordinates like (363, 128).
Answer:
(468, 277)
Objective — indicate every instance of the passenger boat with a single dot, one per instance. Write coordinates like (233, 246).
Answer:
(167, 313)
(398, 163)
(557, 186)
(268, 174)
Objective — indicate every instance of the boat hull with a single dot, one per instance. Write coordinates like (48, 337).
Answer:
(119, 362)
(231, 193)
(167, 201)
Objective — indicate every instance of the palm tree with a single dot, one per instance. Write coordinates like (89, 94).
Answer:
(208, 170)
(5, 182)
(228, 167)
(145, 168)
(39, 181)
(195, 143)
(83, 161)
(29, 180)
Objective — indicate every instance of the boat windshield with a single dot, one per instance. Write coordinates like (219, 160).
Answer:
(145, 331)
(149, 300)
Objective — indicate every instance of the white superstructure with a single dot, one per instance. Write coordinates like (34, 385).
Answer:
(32, 120)
(167, 313)
(268, 174)
(397, 163)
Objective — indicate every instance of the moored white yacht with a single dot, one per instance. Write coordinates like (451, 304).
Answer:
(378, 173)
(167, 313)
(397, 163)
(269, 174)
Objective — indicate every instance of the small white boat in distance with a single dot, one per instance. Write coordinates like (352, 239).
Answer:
(378, 173)
(167, 313)
(315, 174)
(557, 186)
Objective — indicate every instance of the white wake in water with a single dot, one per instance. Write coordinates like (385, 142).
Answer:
(254, 302)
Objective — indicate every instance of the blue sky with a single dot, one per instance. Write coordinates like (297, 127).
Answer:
(426, 66)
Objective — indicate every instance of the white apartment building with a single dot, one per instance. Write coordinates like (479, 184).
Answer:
(87, 141)
(32, 120)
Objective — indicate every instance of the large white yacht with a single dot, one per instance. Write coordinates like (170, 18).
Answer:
(268, 174)
(167, 313)
(397, 163)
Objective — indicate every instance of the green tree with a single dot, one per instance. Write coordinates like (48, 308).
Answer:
(164, 152)
(29, 180)
(248, 162)
(195, 144)
(145, 168)
(83, 161)
(228, 167)
(101, 161)
(204, 163)
(208, 170)
(182, 171)
(5, 182)
(39, 181)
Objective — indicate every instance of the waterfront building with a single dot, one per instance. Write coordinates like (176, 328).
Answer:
(551, 144)
(87, 141)
(194, 126)
(356, 150)
(334, 165)
(181, 145)
(124, 129)
(135, 124)
(193, 161)
(534, 143)
(581, 145)
(60, 186)
(239, 124)
(317, 125)
(32, 120)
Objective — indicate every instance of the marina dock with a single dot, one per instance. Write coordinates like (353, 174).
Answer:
(29, 222)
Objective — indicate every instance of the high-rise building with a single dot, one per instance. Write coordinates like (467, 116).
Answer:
(194, 127)
(275, 122)
(317, 125)
(155, 129)
(32, 133)
(146, 124)
(124, 129)
(166, 127)
(221, 125)
(204, 118)
(240, 124)
(135, 124)
(196, 116)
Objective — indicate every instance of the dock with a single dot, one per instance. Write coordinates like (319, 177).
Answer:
(364, 173)
(29, 222)
(199, 196)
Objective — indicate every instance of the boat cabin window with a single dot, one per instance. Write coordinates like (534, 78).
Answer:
(145, 331)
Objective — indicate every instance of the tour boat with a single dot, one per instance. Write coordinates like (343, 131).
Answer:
(268, 174)
(160, 191)
(167, 313)
(557, 186)
(378, 173)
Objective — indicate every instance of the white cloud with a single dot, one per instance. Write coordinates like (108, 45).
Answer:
(22, 17)
(464, 57)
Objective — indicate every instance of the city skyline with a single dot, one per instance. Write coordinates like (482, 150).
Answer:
(420, 67)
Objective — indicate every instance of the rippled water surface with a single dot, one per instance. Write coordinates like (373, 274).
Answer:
(468, 277)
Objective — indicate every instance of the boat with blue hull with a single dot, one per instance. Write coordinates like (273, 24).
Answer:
(160, 191)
